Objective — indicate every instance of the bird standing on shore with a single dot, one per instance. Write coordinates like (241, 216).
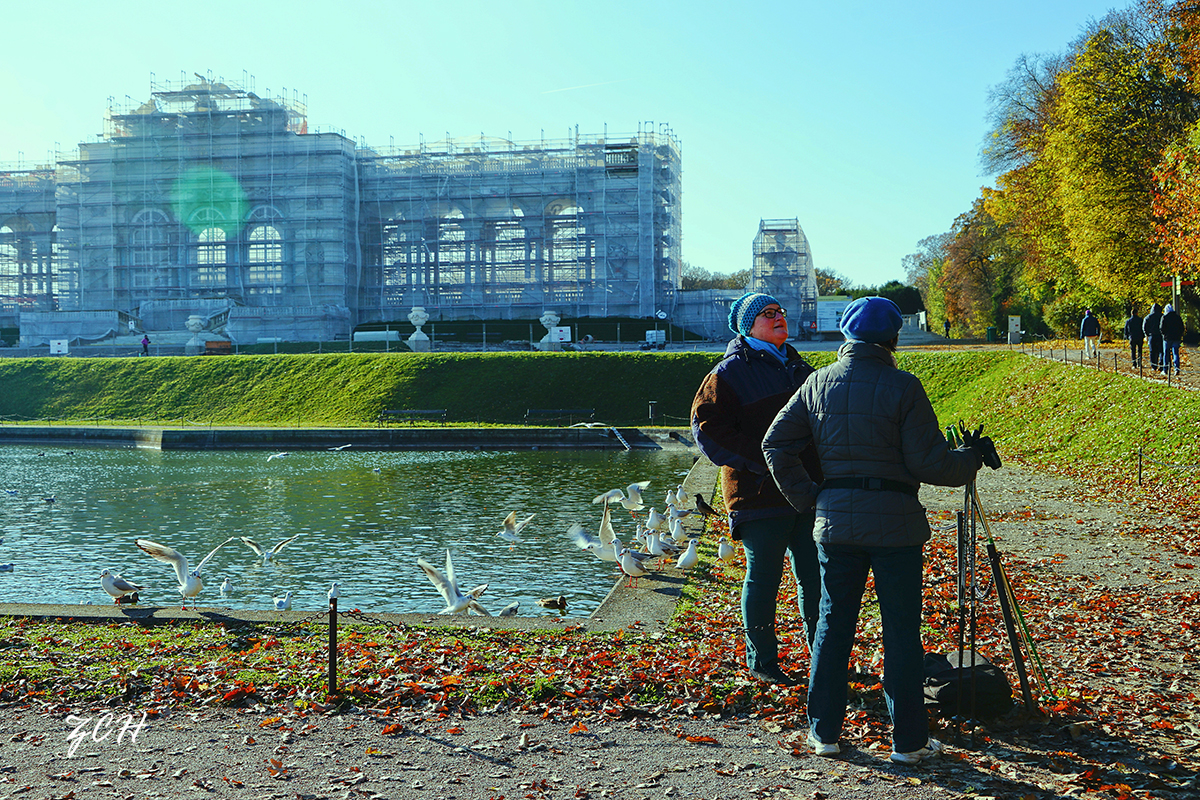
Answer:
(118, 587)
(190, 584)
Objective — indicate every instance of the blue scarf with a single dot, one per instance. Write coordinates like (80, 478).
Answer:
(767, 347)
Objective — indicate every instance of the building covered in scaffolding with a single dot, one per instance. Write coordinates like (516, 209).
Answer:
(208, 201)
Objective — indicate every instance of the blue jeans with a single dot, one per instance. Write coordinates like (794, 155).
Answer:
(766, 541)
(1170, 346)
(844, 571)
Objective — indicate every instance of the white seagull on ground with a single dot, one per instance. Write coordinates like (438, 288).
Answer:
(284, 603)
(511, 609)
(189, 580)
(456, 601)
(725, 551)
(266, 555)
(631, 566)
(118, 587)
(512, 528)
(688, 558)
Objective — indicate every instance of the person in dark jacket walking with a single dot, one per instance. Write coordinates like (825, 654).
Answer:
(1172, 336)
(1153, 329)
(877, 439)
(1089, 331)
(735, 403)
(1135, 336)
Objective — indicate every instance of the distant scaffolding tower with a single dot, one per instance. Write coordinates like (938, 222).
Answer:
(783, 268)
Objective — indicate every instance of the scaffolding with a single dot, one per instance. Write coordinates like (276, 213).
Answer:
(210, 200)
(783, 268)
(496, 229)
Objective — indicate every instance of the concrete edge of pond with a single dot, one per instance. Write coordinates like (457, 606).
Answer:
(204, 437)
(647, 606)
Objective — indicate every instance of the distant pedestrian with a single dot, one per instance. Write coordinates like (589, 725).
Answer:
(1152, 325)
(946, 326)
(1135, 335)
(145, 345)
(1089, 331)
(1172, 335)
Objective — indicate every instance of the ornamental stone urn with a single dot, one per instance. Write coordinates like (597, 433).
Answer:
(418, 342)
(549, 320)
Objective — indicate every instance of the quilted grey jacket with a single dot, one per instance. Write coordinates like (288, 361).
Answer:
(868, 420)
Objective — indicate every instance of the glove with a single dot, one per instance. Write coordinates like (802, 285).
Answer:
(982, 445)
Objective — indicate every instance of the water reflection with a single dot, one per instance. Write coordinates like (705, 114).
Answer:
(365, 518)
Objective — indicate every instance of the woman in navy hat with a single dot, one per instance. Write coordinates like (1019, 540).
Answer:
(736, 402)
(877, 439)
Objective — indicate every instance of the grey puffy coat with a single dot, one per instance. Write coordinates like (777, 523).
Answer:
(868, 420)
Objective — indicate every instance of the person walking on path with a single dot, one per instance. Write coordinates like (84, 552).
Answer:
(877, 439)
(946, 326)
(1172, 336)
(735, 403)
(1154, 341)
(1135, 336)
(145, 344)
(1089, 331)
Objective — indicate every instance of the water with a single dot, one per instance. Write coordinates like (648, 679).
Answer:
(365, 518)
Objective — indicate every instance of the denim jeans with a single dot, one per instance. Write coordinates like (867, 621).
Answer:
(1170, 346)
(766, 541)
(898, 581)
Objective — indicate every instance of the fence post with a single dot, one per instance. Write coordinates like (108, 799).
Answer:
(332, 646)
(1139, 465)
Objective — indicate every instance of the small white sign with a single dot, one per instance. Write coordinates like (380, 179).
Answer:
(60, 347)
(561, 333)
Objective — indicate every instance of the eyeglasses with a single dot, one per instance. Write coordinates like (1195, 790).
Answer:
(772, 313)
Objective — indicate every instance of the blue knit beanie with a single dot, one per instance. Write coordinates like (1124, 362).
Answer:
(744, 310)
(872, 319)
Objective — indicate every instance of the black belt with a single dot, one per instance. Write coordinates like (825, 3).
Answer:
(870, 484)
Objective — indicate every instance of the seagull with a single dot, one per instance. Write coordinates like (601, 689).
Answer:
(339, 448)
(683, 502)
(118, 587)
(672, 498)
(658, 548)
(284, 603)
(725, 551)
(512, 528)
(456, 601)
(189, 580)
(267, 555)
(226, 586)
(655, 521)
(585, 541)
(689, 558)
(510, 610)
(631, 566)
(284, 454)
(333, 591)
(559, 603)
(631, 503)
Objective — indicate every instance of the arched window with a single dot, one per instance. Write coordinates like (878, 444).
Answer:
(265, 255)
(210, 257)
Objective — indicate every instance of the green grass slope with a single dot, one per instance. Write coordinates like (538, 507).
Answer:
(1033, 408)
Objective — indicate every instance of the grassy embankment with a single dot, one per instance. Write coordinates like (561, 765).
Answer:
(1040, 410)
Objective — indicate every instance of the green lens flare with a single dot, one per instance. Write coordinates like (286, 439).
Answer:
(205, 197)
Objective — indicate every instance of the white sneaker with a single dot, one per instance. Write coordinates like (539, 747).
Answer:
(820, 748)
(932, 748)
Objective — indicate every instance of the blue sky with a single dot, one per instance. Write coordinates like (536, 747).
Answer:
(863, 120)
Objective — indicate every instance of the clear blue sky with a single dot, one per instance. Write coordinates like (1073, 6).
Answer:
(862, 119)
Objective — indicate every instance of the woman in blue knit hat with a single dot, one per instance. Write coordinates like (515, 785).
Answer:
(877, 439)
(736, 402)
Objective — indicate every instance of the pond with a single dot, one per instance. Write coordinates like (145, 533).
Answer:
(364, 517)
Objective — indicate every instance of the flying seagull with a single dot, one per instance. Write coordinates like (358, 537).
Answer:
(631, 498)
(189, 580)
(266, 555)
(456, 601)
(512, 528)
